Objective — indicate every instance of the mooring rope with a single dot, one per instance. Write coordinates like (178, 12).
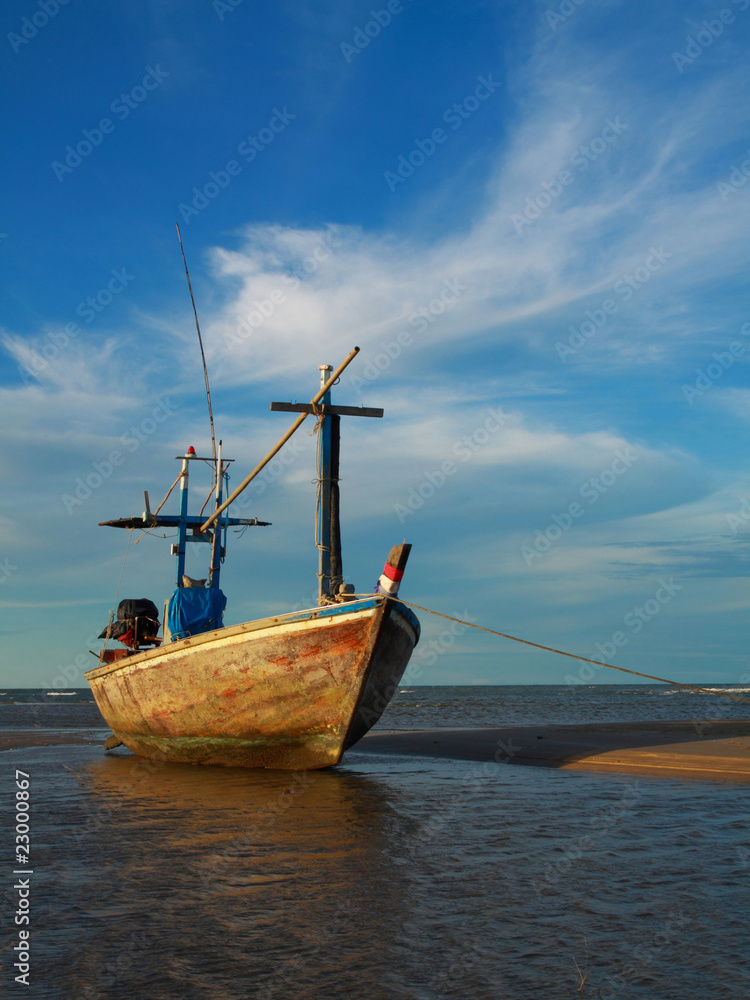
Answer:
(573, 656)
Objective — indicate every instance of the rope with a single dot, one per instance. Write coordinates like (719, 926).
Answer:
(573, 656)
(213, 486)
(210, 494)
(168, 493)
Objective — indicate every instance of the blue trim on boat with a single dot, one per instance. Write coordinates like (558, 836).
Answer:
(347, 607)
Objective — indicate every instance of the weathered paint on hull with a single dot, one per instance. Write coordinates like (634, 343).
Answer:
(290, 693)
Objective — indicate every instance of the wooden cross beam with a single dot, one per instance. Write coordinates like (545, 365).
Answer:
(325, 409)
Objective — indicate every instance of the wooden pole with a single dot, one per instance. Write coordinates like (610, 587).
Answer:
(280, 444)
(323, 513)
(200, 342)
(336, 567)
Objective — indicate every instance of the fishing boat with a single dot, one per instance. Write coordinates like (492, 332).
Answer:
(290, 692)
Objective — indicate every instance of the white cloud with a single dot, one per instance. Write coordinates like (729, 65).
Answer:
(313, 292)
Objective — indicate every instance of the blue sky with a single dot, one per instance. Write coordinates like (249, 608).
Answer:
(532, 218)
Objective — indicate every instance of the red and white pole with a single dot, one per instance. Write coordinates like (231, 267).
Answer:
(393, 571)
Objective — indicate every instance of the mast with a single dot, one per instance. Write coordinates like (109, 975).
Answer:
(327, 520)
(328, 527)
(182, 524)
(336, 568)
(216, 546)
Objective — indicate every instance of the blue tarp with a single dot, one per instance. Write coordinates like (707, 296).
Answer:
(193, 610)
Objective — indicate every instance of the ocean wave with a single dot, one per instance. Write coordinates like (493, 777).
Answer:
(705, 687)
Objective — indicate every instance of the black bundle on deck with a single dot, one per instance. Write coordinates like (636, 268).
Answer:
(137, 621)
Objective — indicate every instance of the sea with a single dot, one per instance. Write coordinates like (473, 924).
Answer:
(385, 877)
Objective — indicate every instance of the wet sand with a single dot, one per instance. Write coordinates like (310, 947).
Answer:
(718, 751)
(18, 739)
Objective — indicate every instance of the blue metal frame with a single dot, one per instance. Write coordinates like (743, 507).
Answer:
(186, 521)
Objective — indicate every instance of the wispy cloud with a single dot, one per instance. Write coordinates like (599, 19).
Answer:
(648, 184)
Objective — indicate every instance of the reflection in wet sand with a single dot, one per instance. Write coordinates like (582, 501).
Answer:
(282, 872)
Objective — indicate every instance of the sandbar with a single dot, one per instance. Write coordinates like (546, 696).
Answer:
(713, 750)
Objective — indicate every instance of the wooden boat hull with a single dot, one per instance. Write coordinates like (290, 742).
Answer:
(291, 693)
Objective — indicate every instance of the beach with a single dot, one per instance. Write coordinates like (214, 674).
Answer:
(429, 864)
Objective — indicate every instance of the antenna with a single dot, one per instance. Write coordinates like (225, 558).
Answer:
(200, 341)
